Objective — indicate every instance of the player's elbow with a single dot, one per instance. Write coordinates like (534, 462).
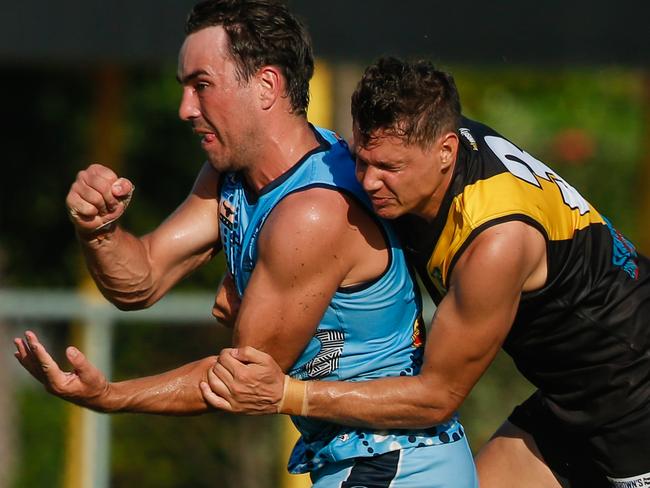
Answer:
(226, 302)
(130, 301)
(438, 405)
(130, 306)
(225, 315)
(432, 414)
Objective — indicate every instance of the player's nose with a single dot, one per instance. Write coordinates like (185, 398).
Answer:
(188, 108)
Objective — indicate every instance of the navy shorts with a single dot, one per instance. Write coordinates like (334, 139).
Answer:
(617, 455)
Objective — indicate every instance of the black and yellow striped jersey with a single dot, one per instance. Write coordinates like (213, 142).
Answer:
(583, 339)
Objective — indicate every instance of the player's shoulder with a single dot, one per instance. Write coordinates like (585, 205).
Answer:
(312, 223)
(313, 208)
(314, 220)
(206, 185)
(511, 244)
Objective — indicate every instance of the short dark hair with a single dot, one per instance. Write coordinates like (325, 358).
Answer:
(260, 33)
(411, 100)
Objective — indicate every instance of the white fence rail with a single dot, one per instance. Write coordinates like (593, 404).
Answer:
(98, 317)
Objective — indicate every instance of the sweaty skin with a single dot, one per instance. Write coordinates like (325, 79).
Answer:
(313, 242)
(477, 312)
(134, 272)
(295, 266)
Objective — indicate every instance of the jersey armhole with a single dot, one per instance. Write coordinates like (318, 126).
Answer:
(491, 223)
(380, 225)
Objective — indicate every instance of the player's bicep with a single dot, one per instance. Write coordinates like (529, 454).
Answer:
(277, 319)
(188, 237)
(299, 268)
(477, 313)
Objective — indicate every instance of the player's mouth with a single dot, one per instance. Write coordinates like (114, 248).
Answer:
(208, 134)
(207, 139)
(378, 201)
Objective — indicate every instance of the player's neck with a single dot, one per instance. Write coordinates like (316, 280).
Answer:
(431, 206)
(279, 149)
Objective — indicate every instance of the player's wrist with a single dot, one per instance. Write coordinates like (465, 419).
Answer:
(96, 236)
(294, 397)
(113, 398)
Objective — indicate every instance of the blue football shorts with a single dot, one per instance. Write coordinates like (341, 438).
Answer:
(439, 466)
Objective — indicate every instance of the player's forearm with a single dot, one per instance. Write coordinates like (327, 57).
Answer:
(119, 265)
(389, 403)
(175, 392)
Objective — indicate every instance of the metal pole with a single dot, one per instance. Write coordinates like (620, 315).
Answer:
(96, 427)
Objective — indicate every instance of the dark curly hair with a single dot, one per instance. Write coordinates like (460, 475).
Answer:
(262, 32)
(411, 100)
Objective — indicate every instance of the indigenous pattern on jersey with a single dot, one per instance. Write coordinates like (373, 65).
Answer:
(369, 331)
(583, 339)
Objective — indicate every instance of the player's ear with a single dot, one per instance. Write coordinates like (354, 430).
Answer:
(270, 83)
(448, 146)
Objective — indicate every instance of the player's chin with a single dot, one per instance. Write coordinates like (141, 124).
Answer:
(387, 211)
(219, 163)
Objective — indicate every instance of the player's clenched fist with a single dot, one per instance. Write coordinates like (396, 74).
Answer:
(97, 198)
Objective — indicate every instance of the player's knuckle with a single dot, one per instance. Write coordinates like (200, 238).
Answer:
(238, 388)
(102, 185)
(95, 199)
(95, 168)
(76, 189)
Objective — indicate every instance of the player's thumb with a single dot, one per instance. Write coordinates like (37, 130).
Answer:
(249, 354)
(122, 188)
(79, 362)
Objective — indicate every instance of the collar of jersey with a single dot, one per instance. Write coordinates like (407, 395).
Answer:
(323, 145)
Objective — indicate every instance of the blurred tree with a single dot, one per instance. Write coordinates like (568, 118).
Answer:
(41, 148)
(554, 114)
(8, 438)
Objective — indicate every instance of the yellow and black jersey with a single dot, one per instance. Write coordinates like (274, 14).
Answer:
(584, 338)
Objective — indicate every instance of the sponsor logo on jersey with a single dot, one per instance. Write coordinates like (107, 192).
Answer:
(227, 213)
(470, 138)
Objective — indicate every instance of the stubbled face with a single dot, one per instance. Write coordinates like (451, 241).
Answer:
(401, 178)
(220, 108)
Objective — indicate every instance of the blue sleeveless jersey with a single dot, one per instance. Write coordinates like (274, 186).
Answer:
(369, 331)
